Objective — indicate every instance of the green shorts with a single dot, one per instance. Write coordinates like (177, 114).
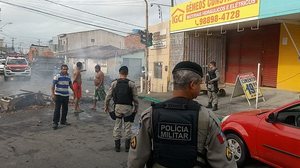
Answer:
(100, 93)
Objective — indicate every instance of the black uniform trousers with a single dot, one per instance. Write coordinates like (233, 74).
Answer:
(61, 103)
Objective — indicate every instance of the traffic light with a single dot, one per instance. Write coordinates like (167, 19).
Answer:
(143, 37)
(149, 41)
(146, 39)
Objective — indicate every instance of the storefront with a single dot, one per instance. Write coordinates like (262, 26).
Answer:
(239, 34)
(248, 48)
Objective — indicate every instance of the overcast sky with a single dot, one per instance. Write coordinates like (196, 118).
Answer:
(29, 25)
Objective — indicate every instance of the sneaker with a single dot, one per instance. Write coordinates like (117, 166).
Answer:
(55, 126)
(65, 123)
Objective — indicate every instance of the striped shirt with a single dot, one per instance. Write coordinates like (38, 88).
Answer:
(61, 84)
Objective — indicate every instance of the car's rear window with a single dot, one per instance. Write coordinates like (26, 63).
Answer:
(16, 62)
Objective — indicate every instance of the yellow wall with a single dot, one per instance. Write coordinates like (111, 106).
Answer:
(288, 75)
(160, 55)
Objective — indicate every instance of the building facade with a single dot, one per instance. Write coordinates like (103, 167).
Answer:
(159, 58)
(238, 35)
(77, 40)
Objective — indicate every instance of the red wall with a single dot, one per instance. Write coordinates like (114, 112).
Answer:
(246, 49)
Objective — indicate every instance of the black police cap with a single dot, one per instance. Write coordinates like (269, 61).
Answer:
(188, 65)
(123, 68)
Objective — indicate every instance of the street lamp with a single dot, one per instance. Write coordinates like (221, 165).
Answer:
(5, 25)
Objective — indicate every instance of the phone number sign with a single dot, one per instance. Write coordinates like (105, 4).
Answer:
(201, 13)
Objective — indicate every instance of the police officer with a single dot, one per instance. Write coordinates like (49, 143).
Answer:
(212, 79)
(179, 133)
(124, 94)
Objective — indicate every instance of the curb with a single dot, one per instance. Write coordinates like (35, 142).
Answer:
(151, 99)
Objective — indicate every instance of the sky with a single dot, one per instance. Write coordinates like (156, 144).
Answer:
(32, 24)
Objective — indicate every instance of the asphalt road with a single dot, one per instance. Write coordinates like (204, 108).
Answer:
(27, 139)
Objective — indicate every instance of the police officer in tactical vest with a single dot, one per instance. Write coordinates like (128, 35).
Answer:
(124, 94)
(179, 133)
(212, 79)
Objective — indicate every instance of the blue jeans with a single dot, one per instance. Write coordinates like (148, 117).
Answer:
(61, 102)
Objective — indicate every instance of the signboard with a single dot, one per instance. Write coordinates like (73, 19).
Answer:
(278, 8)
(245, 84)
(203, 13)
(159, 39)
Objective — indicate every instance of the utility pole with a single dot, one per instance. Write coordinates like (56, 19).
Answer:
(172, 3)
(147, 85)
(12, 44)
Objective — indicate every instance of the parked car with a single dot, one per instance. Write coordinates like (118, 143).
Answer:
(2, 58)
(16, 67)
(271, 136)
(2, 62)
(2, 67)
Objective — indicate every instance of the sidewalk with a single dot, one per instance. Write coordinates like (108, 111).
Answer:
(273, 98)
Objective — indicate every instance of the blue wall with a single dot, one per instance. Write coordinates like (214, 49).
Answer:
(270, 8)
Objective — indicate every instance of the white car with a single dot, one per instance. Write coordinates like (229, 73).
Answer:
(2, 62)
(1, 67)
(16, 67)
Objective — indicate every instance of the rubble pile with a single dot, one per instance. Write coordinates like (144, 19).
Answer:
(23, 100)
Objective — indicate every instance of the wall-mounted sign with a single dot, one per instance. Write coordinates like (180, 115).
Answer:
(159, 39)
(202, 13)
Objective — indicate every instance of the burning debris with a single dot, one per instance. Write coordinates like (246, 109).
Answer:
(24, 100)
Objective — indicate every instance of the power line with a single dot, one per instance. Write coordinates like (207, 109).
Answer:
(93, 13)
(81, 18)
(78, 21)
(65, 14)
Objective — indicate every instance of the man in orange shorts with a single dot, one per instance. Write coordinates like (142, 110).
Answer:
(77, 86)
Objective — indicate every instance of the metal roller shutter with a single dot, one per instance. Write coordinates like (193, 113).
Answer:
(202, 48)
(246, 49)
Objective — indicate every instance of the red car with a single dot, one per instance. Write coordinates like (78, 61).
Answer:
(271, 136)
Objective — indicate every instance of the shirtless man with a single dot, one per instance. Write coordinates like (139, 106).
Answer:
(99, 86)
(77, 85)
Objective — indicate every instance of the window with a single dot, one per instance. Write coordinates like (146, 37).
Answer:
(290, 116)
(16, 62)
(158, 70)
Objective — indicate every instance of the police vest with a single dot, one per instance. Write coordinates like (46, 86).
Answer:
(122, 93)
(175, 125)
(212, 75)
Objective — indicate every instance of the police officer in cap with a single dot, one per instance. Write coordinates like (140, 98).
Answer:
(179, 132)
(124, 94)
